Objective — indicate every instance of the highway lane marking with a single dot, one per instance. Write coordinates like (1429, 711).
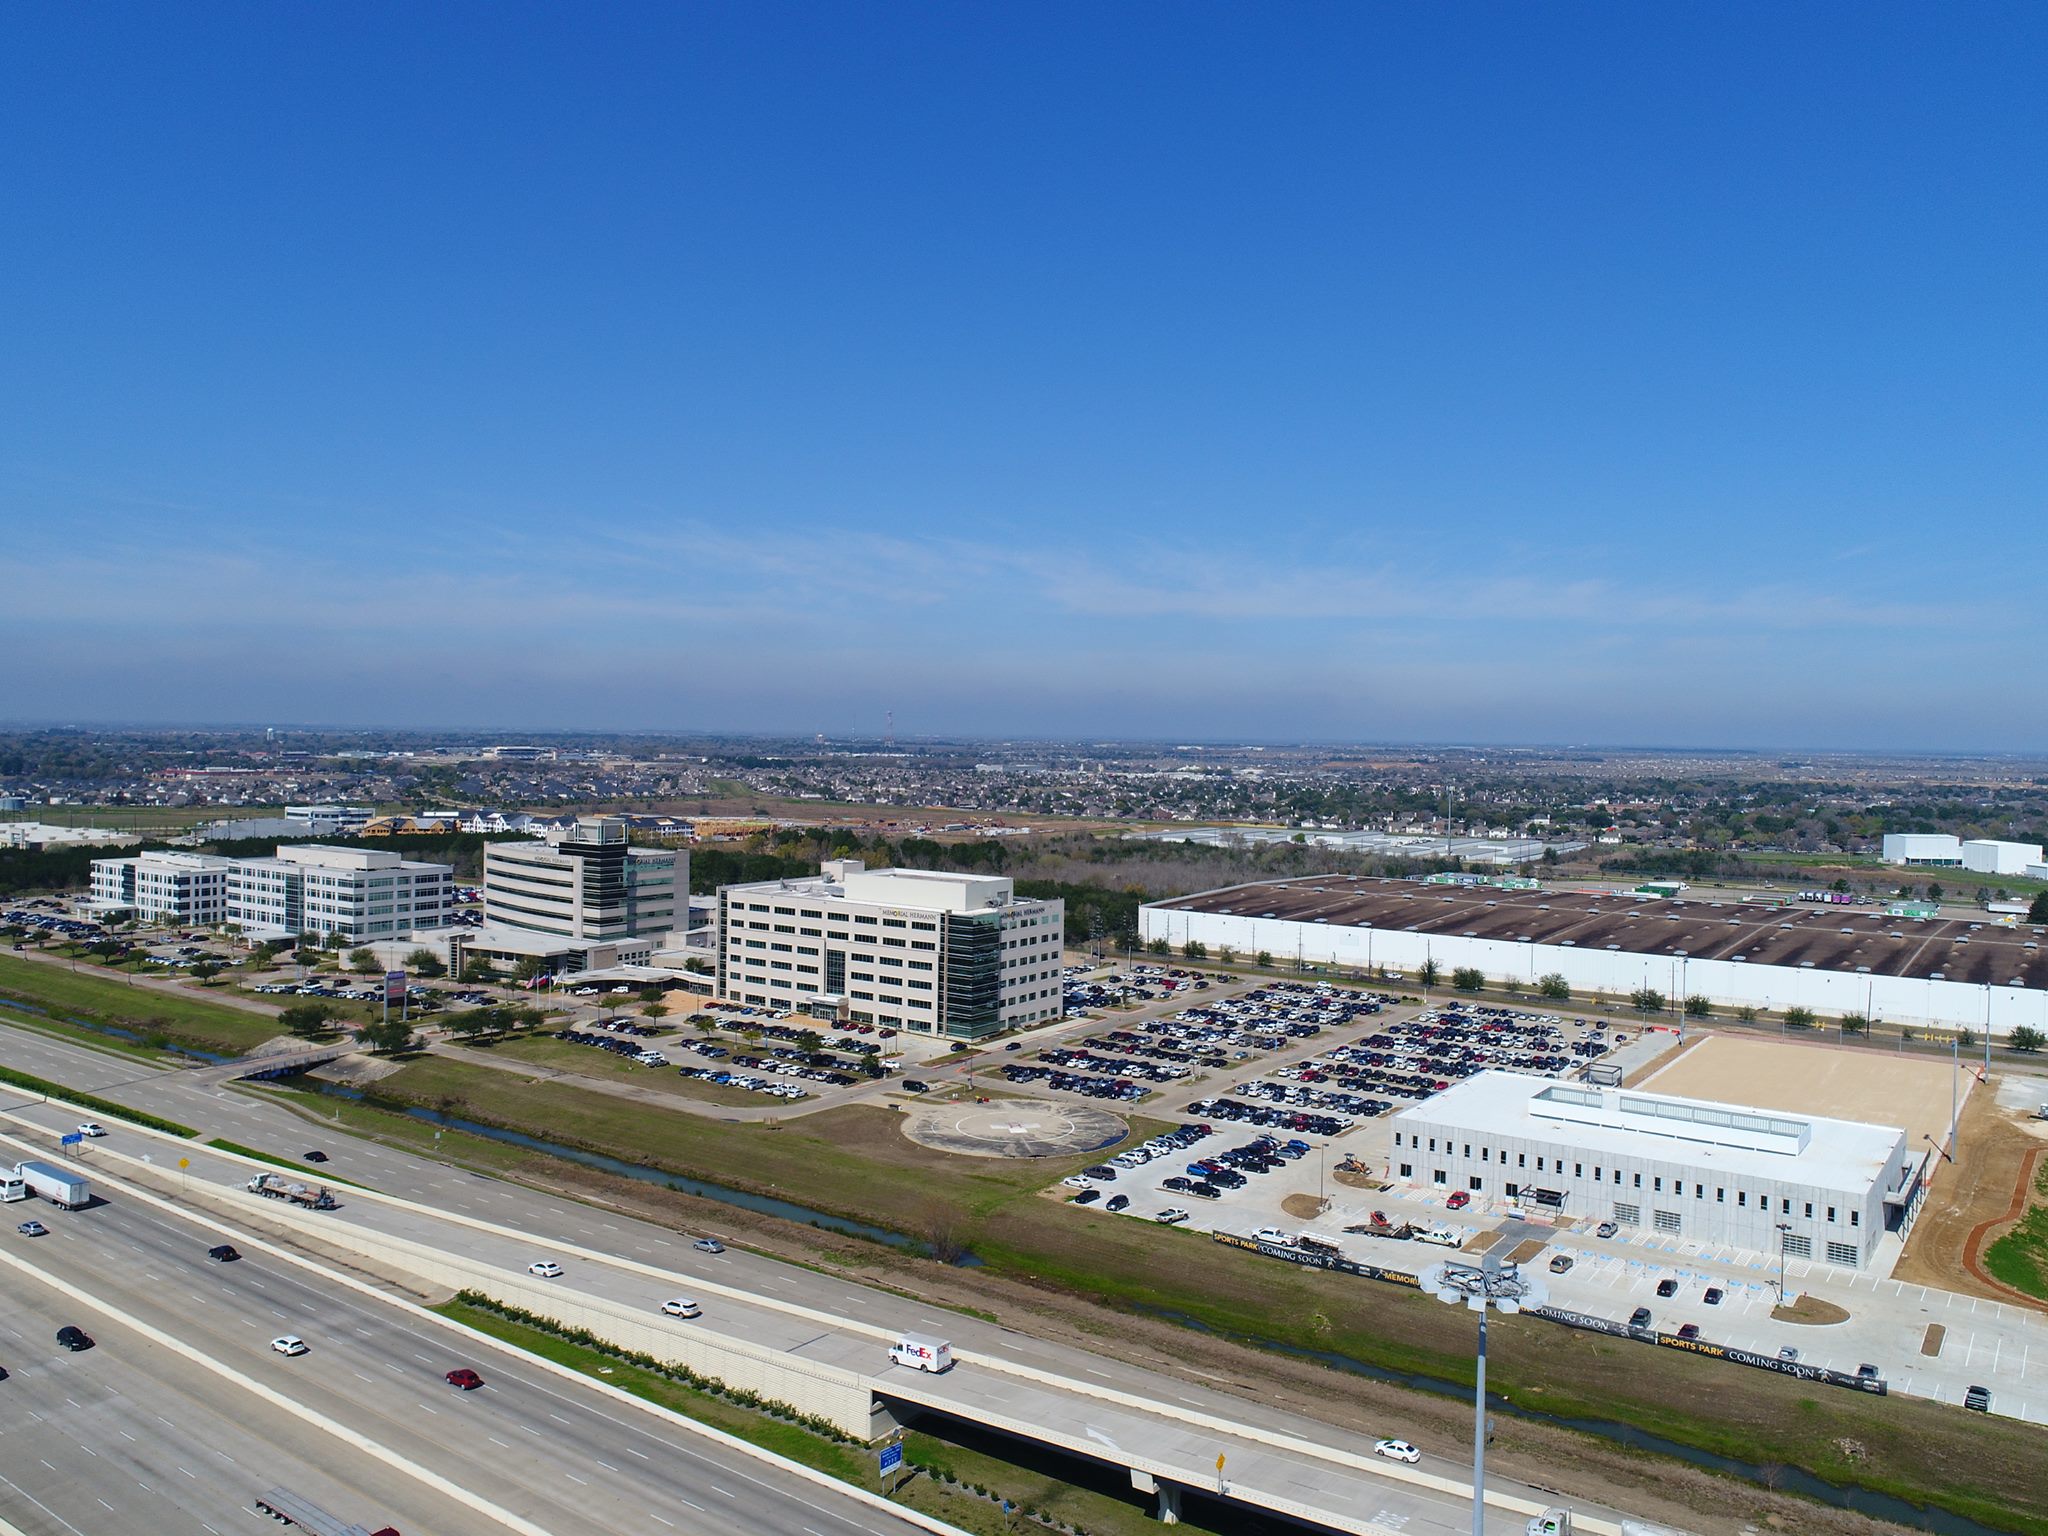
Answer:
(575, 1479)
(692, 1503)
(669, 1523)
(103, 1504)
(422, 1359)
(605, 1464)
(359, 1376)
(641, 1454)
(496, 1441)
(557, 1418)
(188, 1474)
(425, 1409)
(128, 1437)
(728, 1493)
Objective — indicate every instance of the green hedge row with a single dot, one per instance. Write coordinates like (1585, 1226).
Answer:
(106, 1107)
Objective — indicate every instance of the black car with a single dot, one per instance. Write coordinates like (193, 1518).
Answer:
(1087, 1196)
(316, 1157)
(223, 1253)
(1713, 1296)
(1667, 1287)
(914, 1086)
(1117, 1202)
(74, 1339)
(1207, 1191)
(1640, 1318)
(1178, 1185)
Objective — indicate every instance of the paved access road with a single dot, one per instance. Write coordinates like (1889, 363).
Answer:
(563, 1456)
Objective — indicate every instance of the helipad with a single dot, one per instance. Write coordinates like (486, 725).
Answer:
(1014, 1128)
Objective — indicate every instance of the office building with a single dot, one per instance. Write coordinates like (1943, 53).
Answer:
(955, 955)
(1694, 1171)
(359, 893)
(189, 889)
(328, 820)
(589, 884)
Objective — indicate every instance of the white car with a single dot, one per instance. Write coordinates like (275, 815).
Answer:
(290, 1344)
(1075, 1181)
(680, 1306)
(547, 1269)
(92, 1128)
(1273, 1235)
(1396, 1450)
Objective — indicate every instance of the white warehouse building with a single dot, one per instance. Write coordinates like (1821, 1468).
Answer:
(1949, 973)
(1686, 1168)
(1935, 850)
(1989, 856)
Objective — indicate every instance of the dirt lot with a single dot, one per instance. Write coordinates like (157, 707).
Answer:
(1976, 1188)
(1842, 1082)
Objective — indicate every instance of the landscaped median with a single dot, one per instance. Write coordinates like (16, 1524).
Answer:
(106, 1109)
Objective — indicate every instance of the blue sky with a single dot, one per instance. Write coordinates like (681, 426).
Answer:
(1644, 374)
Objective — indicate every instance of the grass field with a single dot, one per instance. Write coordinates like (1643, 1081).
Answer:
(149, 1012)
(2020, 1256)
(854, 1162)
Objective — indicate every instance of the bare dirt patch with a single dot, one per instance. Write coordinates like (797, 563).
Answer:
(1931, 1344)
(1354, 1180)
(1991, 1158)
(1812, 1310)
(1304, 1207)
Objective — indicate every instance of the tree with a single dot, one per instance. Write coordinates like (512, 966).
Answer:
(1555, 987)
(1225, 953)
(1160, 947)
(1646, 1000)
(1855, 1023)
(529, 967)
(871, 1067)
(2038, 912)
(1698, 1007)
(424, 962)
(335, 939)
(2026, 1039)
(809, 1041)
(1841, 886)
(305, 1018)
(650, 994)
(1966, 1037)
(1799, 1018)
(364, 962)
(1430, 973)
(1934, 893)
(1469, 978)
(697, 967)
(1266, 959)
(205, 970)
(1194, 949)
(475, 1023)
(653, 1009)
(1746, 1013)
(388, 1036)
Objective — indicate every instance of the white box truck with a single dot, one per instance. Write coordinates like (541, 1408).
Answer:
(54, 1184)
(922, 1352)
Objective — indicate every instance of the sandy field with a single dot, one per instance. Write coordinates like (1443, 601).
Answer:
(1840, 1082)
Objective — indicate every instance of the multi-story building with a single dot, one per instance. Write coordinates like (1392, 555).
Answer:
(943, 954)
(360, 893)
(164, 886)
(1686, 1169)
(589, 884)
(329, 820)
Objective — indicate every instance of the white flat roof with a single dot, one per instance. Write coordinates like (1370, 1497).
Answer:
(1661, 1127)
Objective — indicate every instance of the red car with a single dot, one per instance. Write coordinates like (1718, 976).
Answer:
(1459, 1200)
(465, 1378)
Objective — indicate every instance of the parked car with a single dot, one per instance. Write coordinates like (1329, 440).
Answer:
(681, 1306)
(547, 1269)
(1789, 1355)
(1978, 1399)
(1606, 1229)
(1689, 1331)
(465, 1378)
(1713, 1296)
(1173, 1215)
(1667, 1288)
(1117, 1203)
(708, 1245)
(1396, 1450)
(1560, 1262)
(289, 1344)
(1087, 1196)
(1459, 1200)
(1868, 1372)
(912, 1085)
(1640, 1318)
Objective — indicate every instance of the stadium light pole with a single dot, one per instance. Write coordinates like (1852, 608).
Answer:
(1489, 1284)
(1784, 1227)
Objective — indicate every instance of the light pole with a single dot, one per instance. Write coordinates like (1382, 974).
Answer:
(1784, 1227)
(1489, 1283)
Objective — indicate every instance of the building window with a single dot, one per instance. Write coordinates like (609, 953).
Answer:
(1639, 1181)
(1831, 1214)
(1407, 1170)
(1521, 1159)
(1476, 1183)
(1437, 1177)
(1809, 1210)
(1799, 1247)
(1855, 1218)
(1742, 1197)
(1665, 1221)
(1720, 1195)
(1628, 1215)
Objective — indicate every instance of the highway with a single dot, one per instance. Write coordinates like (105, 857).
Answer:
(533, 1225)
(564, 1457)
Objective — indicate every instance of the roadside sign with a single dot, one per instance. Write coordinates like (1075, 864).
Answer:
(891, 1459)
(69, 1139)
(184, 1162)
(1219, 1461)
